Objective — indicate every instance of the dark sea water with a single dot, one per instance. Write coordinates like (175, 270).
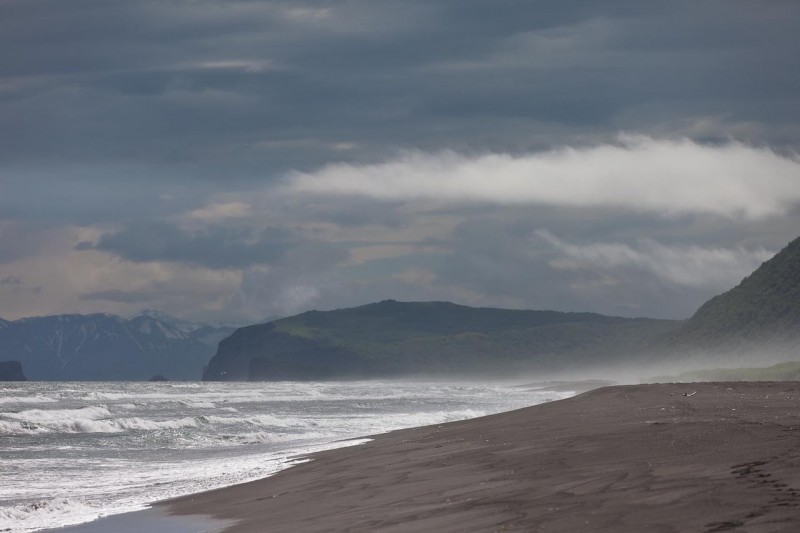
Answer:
(71, 452)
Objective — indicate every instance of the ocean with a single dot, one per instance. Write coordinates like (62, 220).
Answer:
(72, 452)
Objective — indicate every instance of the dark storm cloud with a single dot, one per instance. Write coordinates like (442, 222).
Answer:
(214, 247)
(20, 240)
(350, 212)
(225, 85)
(120, 296)
(93, 194)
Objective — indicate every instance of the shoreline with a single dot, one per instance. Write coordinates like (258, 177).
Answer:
(154, 519)
(694, 456)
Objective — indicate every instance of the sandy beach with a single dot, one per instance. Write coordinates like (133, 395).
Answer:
(667, 457)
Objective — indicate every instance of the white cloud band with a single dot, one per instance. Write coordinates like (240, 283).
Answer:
(666, 177)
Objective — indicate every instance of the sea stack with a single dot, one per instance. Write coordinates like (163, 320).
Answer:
(11, 371)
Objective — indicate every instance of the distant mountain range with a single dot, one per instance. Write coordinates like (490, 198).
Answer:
(109, 347)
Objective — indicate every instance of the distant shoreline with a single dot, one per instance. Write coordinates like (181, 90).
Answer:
(692, 457)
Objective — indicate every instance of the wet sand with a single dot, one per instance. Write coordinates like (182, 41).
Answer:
(723, 457)
(147, 520)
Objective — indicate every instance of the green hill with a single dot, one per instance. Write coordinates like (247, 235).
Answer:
(393, 338)
(763, 310)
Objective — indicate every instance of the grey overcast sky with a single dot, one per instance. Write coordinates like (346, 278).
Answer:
(241, 159)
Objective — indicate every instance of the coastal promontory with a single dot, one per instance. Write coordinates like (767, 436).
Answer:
(392, 338)
(11, 371)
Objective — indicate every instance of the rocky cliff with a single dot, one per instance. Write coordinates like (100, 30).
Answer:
(11, 371)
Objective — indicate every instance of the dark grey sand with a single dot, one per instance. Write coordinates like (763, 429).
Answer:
(618, 459)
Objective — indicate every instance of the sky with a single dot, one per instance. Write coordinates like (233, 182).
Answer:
(240, 160)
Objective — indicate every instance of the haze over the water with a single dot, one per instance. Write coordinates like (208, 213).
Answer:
(240, 160)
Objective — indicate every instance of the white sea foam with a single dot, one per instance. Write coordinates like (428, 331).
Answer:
(198, 404)
(47, 513)
(49, 415)
(8, 400)
(93, 425)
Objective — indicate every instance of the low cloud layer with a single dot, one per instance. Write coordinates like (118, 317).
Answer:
(642, 174)
(214, 247)
(687, 266)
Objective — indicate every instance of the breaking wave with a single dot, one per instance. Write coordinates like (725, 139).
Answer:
(100, 420)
